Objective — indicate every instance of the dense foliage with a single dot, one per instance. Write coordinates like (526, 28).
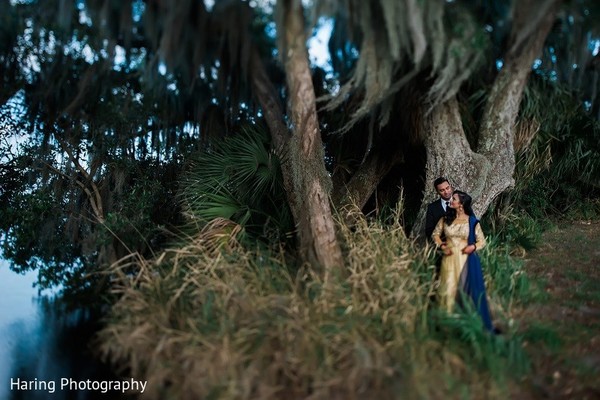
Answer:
(100, 120)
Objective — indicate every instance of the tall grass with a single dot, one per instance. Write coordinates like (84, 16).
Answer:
(558, 168)
(214, 320)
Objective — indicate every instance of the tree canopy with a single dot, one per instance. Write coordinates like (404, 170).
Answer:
(111, 112)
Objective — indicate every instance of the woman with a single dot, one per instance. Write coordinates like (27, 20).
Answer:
(461, 268)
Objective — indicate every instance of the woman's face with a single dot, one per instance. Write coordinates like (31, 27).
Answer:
(455, 201)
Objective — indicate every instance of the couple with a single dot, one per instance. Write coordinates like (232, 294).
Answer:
(452, 225)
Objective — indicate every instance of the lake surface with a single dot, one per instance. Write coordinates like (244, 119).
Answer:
(45, 353)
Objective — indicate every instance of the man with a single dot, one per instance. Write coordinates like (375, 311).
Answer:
(437, 209)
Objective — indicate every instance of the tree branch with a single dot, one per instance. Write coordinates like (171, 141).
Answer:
(95, 198)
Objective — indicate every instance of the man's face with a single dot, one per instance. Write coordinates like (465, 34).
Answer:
(444, 190)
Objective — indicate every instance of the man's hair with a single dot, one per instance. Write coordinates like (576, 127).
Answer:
(439, 181)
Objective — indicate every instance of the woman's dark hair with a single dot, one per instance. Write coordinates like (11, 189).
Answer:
(465, 201)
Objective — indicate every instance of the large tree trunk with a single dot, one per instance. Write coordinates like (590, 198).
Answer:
(449, 154)
(266, 95)
(532, 21)
(489, 171)
(309, 179)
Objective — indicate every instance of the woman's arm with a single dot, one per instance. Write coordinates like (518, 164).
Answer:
(479, 241)
(479, 237)
(437, 232)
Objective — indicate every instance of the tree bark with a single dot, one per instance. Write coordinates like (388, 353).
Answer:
(449, 154)
(489, 171)
(309, 179)
(502, 108)
(267, 97)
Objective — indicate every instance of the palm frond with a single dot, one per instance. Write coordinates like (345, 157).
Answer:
(237, 178)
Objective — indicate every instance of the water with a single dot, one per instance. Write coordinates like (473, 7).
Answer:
(45, 353)
(18, 314)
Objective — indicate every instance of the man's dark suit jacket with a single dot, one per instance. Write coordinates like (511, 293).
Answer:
(435, 211)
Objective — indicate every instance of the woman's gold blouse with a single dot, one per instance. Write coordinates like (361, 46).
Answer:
(457, 234)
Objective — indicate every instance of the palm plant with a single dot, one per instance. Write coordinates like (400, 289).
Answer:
(238, 178)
